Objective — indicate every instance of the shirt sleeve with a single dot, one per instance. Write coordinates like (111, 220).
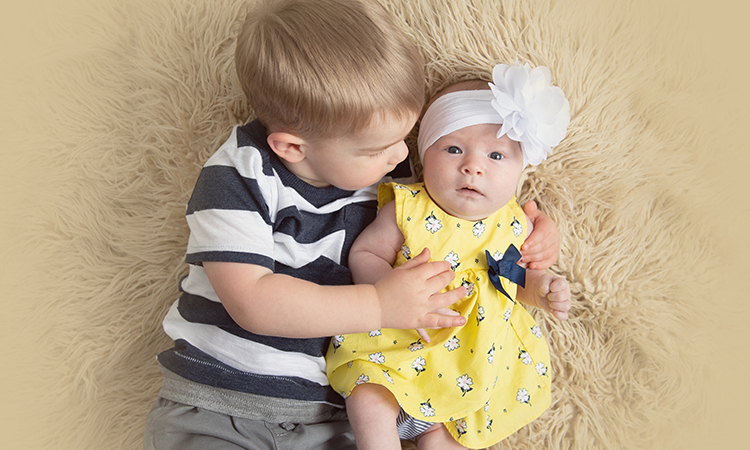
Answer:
(228, 213)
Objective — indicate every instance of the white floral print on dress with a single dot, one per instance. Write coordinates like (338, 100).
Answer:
(362, 379)
(452, 344)
(517, 227)
(375, 333)
(377, 358)
(536, 331)
(524, 356)
(523, 396)
(413, 193)
(478, 229)
(433, 224)
(426, 409)
(337, 341)
(453, 259)
(507, 314)
(541, 369)
(464, 382)
(416, 346)
(419, 365)
(480, 314)
(468, 286)
(461, 427)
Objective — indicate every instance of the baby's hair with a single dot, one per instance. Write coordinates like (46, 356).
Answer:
(321, 68)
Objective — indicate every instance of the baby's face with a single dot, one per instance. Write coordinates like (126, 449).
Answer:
(470, 173)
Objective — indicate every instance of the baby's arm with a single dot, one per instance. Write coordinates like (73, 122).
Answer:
(375, 249)
(547, 292)
(542, 289)
(543, 243)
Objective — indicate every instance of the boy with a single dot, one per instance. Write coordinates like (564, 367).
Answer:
(336, 87)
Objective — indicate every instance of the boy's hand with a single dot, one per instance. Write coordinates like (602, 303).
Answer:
(553, 295)
(423, 332)
(410, 295)
(541, 248)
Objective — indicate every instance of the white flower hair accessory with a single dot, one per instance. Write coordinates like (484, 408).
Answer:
(533, 112)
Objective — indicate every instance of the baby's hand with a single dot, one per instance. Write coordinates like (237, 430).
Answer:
(553, 295)
(543, 244)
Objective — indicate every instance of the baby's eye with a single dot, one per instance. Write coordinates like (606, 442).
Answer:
(454, 150)
(496, 156)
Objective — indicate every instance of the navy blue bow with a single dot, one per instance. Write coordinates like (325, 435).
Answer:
(507, 268)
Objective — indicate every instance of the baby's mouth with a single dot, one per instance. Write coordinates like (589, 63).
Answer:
(469, 190)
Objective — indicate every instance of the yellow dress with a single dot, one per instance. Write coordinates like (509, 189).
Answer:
(484, 380)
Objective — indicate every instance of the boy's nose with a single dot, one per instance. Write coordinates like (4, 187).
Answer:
(398, 153)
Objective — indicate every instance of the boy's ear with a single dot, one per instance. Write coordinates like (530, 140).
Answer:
(287, 146)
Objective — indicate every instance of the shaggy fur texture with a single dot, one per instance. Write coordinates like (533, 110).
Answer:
(134, 122)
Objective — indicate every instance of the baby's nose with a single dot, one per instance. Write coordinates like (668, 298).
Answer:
(472, 165)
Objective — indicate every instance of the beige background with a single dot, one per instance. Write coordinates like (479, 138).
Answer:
(42, 32)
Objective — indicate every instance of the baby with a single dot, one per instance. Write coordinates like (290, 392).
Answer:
(474, 385)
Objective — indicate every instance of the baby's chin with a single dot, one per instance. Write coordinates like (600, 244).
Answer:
(471, 211)
(468, 214)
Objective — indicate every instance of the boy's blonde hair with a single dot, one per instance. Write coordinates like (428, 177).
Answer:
(322, 68)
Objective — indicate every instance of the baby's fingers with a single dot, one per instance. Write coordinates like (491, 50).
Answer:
(559, 285)
(560, 315)
(559, 298)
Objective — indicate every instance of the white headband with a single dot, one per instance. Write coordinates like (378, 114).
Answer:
(532, 112)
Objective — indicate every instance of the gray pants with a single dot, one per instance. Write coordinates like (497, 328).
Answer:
(176, 426)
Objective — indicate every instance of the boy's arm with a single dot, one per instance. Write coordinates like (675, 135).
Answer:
(273, 304)
(375, 250)
(541, 248)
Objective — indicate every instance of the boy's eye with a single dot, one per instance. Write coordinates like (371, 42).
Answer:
(496, 156)
(454, 150)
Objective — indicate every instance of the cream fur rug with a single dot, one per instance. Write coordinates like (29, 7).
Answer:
(127, 124)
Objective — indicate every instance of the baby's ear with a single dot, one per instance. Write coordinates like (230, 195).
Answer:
(287, 146)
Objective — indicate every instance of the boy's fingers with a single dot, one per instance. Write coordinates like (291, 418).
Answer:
(421, 258)
(438, 281)
(423, 334)
(441, 321)
(447, 312)
(448, 298)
